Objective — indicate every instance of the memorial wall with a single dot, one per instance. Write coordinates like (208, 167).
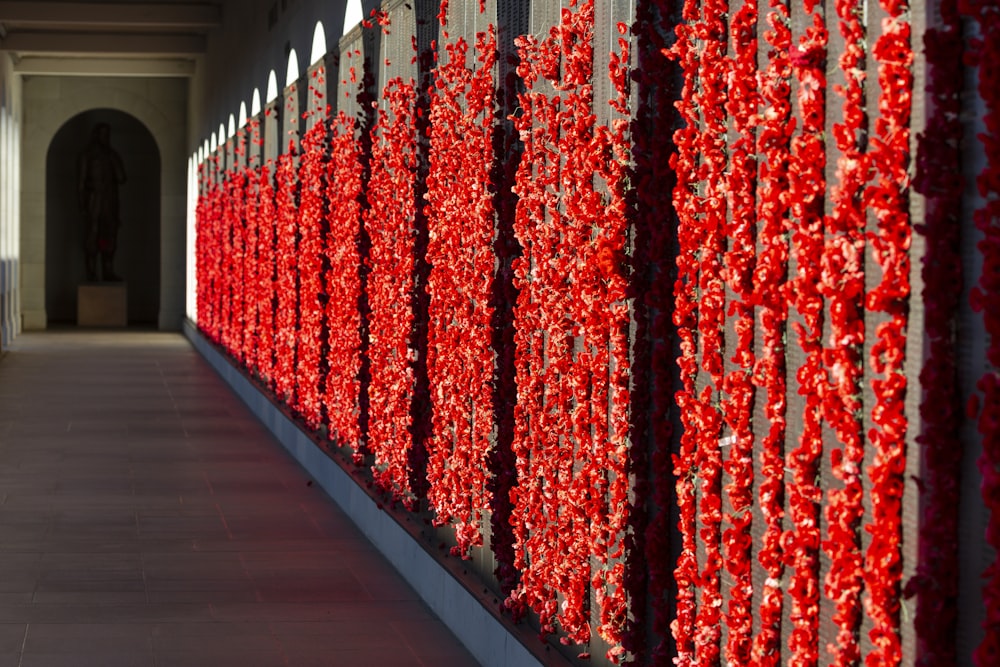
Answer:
(672, 318)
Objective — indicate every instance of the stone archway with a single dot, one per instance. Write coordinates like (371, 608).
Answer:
(137, 259)
(158, 104)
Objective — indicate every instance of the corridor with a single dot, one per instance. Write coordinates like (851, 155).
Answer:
(147, 519)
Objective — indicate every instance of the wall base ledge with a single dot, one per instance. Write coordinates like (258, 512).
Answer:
(34, 320)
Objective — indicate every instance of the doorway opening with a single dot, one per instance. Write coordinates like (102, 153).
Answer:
(137, 256)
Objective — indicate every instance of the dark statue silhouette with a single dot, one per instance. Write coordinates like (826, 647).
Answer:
(100, 172)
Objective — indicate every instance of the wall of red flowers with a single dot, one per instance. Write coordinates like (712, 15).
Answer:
(659, 306)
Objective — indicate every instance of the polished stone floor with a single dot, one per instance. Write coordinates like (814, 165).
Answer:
(147, 518)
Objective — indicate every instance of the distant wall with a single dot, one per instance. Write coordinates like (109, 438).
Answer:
(160, 105)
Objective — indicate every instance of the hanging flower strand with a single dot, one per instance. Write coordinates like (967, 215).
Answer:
(390, 285)
(286, 287)
(226, 222)
(738, 271)
(807, 162)
(251, 340)
(266, 257)
(310, 265)
(889, 200)
(460, 358)
(770, 276)
(570, 510)
(685, 316)
(236, 194)
(713, 77)
(603, 307)
(550, 539)
(341, 395)
(843, 284)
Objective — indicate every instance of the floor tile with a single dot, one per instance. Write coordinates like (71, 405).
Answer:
(11, 637)
(149, 520)
(88, 659)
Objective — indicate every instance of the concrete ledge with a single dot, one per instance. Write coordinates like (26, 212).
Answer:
(485, 636)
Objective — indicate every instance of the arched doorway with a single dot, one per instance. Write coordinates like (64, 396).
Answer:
(137, 259)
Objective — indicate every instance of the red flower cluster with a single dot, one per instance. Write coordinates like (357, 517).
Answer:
(770, 275)
(235, 260)
(234, 328)
(312, 186)
(286, 318)
(221, 257)
(390, 222)
(706, 405)
(807, 185)
(252, 268)
(888, 198)
(205, 246)
(689, 239)
(752, 202)
(843, 285)
(265, 289)
(739, 262)
(571, 319)
(460, 357)
(342, 392)
(247, 232)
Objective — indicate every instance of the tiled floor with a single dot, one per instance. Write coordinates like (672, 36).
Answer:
(146, 518)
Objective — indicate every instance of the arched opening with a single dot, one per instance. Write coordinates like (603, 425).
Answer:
(272, 88)
(318, 45)
(292, 75)
(137, 256)
(255, 102)
(353, 15)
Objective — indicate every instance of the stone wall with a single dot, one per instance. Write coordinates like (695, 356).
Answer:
(10, 155)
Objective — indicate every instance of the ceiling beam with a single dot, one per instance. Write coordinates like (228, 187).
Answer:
(96, 43)
(162, 15)
(55, 66)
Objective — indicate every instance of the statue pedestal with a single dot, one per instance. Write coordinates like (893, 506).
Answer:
(102, 305)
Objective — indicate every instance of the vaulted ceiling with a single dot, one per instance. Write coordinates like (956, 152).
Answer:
(134, 37)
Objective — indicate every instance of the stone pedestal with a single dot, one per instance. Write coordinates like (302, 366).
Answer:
(102, 305)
